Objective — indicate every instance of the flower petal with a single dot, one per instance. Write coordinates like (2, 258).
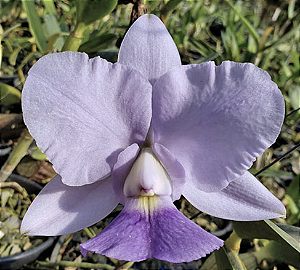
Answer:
(61, 209)
(152, 227)
(244, 199)
(126, 160)
(173, 167)
(216, 120)
(122, 168)
(149, 48)
(83, 113)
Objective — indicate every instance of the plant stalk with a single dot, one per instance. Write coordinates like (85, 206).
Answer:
(234, 242)
(74, 39)
(76, 264)
(16, 155)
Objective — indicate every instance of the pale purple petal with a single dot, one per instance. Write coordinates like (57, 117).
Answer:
(216, 120)
(244, 199)
(83, 113)
(122, 168)
(149, 48)
(161, 232)
(61, 209)
(173, 167)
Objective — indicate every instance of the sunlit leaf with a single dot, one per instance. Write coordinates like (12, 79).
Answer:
(13, 57)
(291, 9)
(252, 45)
(222, 259)
(293, 188)
(295, 58)
(292, 205)
(294, 93)
(278, 253)
(286, 69)
(168, 8)
(266, 229)
(51, 26)
(36, 153)
(97, 44)
(35, 24)
(273, 173)
(210, 263)
(50, 7)
(9, 95)
(247, 24)
(226, 259)
(89, 11)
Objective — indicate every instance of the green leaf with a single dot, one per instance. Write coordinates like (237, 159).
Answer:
(294, 187)
(284, 38)
(286, 69)
(252, 45)
(97, 44)
(294, 94)
(51, 26)
(210, 263)
(266, 229)
(35, 25)
(247, 24)
(291, 230)
(292, 205)
(222, 259)
(168, 8)
(295, 58)
(234, 259)
(89, 11)
(4, 11)
(36, 153)
(291, 9)
(50, 7)
(210, 57)
(13, 57)
(9, 95)
(278, 253)
(10, 29)
(202, 47)
(272, 173)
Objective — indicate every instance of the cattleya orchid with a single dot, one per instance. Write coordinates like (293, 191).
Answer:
(143, 132)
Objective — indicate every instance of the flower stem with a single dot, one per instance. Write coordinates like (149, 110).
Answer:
(74, 39)
(233, 242)
(76, 264)
(125, 266)
(89, 233)
(16, 155)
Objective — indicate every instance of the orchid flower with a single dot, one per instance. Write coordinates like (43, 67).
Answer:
(142, 132)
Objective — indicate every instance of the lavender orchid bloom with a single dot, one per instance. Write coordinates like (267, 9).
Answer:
(142, 132)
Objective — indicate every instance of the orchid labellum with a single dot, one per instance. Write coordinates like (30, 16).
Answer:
(142, 132)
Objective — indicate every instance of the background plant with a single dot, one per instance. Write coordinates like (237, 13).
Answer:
(266, 33)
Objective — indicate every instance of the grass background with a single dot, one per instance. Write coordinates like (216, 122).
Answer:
(266, 33)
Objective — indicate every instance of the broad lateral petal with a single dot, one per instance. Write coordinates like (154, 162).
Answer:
(74, 105)
(244, 199)
(152, 227)
(216, 119)
(61, 209)
(149, 48)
